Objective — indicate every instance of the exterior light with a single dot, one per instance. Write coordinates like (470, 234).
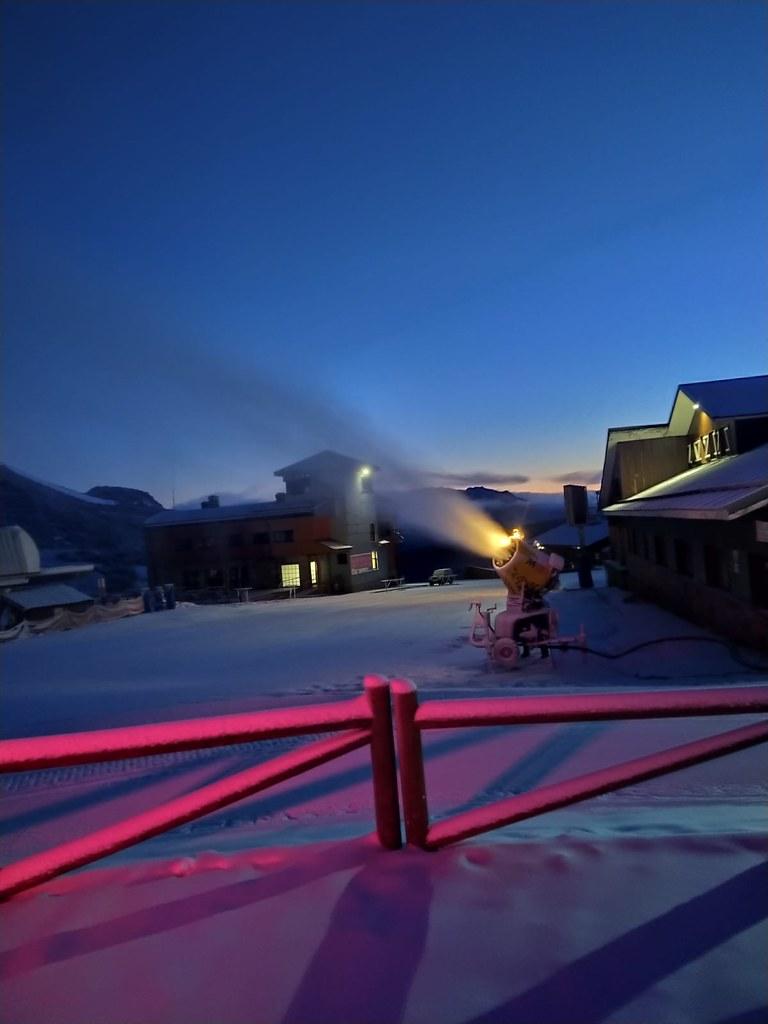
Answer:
(365, 471)
(696, 405)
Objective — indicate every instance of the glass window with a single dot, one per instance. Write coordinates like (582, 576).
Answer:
(313, 573)
(342, 558)
(290, 575)
(374, 559)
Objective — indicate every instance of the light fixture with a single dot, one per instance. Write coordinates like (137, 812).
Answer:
(365, 471)
(696, 405)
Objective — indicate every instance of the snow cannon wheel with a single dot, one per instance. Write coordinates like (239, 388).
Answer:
(505, 652)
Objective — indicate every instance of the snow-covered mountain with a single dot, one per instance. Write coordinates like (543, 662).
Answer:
(104, 526)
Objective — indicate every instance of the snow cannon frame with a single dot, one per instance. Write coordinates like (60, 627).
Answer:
(527, 621)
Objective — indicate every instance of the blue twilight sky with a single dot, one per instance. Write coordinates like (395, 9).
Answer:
(474, 234)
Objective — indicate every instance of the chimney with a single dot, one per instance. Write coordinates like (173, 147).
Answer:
(212, 501)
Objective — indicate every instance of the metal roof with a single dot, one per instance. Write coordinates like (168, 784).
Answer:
(565, 536)
(228, 513)
(741, 396)
(46, 595)
(722, 489)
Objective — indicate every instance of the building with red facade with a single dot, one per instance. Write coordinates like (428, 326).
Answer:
(323, 533)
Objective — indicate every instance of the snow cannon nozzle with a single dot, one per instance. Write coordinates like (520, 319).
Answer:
(521, 564)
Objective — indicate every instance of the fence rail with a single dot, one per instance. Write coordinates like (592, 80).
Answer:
(365, 720)
(412, 719)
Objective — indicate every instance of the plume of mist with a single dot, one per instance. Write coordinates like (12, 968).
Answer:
(293, 417)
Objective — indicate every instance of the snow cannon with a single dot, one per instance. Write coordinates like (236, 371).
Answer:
(528, 621)
(524, 566)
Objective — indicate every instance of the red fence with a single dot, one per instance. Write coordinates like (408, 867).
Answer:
(411, 719)
(365, 720)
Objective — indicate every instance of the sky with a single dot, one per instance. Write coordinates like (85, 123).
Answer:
(467, 238)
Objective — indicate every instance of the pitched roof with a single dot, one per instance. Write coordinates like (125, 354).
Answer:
(46, 595)
(722, 489)
(565, 536)
(741, 396)
(227, 513)
(325, 461)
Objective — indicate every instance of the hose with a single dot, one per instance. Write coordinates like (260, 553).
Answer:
(611, 656)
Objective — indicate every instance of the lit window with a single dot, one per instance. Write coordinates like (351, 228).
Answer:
(290, 574)
(313, 573)
(374, 559)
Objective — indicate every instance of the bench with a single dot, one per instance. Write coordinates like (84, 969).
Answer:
(397, 581)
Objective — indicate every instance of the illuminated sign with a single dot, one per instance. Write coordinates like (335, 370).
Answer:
(710, 446)
(361, 563)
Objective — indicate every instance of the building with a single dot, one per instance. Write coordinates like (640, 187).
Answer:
(687, 506)
(29, 591)
(324, 533)
(570, 541)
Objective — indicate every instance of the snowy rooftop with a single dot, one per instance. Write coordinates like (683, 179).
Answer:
(46, 595)
(570, 536)
(741, 396)
(721, 489)
(253, 510)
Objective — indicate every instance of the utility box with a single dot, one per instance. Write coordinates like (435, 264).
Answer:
(576, 504)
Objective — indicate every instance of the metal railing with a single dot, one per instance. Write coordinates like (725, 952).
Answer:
(411, 719)
(366, 720)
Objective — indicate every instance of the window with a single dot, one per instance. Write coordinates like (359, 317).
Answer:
(342, 558)
(373, 533)
(682, 558)
(713, 566)
(235, 540)
(290, 575)
(374, 560)
(283, 537)
(261, 538)
(313, 573)
(660, 550)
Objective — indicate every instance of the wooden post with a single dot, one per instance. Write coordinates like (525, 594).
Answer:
(412, 783)
(385, 798)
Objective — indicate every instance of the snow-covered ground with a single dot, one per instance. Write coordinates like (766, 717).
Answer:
(647, 904)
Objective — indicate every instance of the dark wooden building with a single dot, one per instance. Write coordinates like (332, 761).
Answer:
(687, 506)
(324, 533)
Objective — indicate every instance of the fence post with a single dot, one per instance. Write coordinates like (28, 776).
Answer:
(385, 797)
(412, 784)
